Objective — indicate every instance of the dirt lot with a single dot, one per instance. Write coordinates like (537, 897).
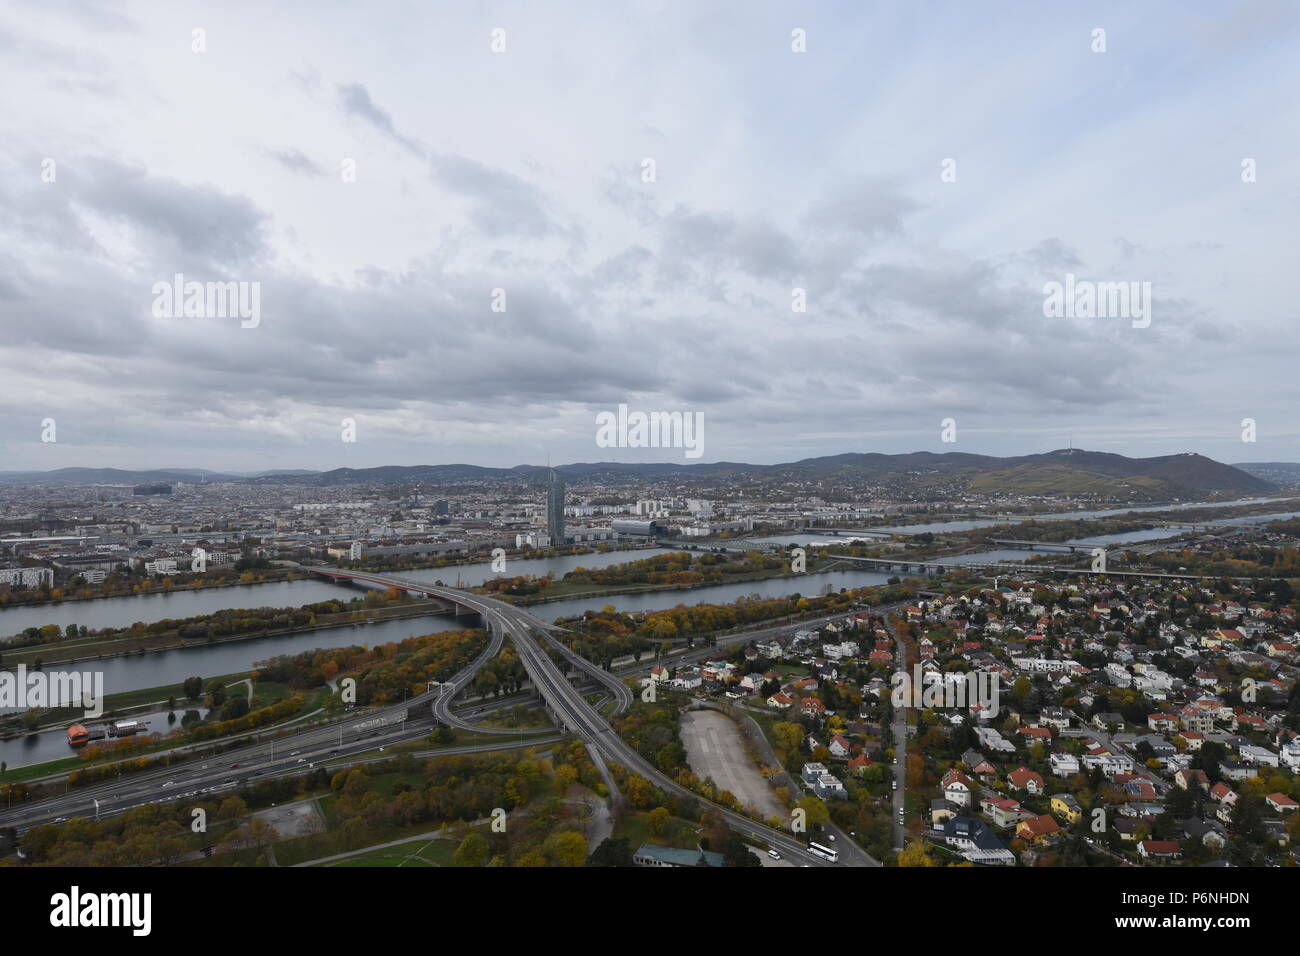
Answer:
(294, 819)
(715, 748)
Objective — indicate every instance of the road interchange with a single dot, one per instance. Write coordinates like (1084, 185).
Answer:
(399, 723)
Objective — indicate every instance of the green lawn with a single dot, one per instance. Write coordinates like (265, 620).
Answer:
(676, 832)
(519, 716)
(424, 853)
(265, 693)
(41, 769)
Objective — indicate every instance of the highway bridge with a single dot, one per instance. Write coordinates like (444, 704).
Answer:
(932, 566)
(300, 752)
(856, 532)
(493, 617)
(566, 703)
(1061, 546)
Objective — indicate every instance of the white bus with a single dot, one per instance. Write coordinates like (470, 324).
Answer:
(825, 852)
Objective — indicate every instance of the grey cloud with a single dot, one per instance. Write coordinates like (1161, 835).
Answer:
(354, 99)
(703, 242)
(500, 203)
(190, 225)
(295, 161)
(1052, 255)
(869, 207)
(674, 294)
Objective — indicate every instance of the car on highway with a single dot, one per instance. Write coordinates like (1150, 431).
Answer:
(773, 854)
(233, 766)
(169, 783)
(893, 784)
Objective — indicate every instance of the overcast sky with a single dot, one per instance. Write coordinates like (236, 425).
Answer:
(524, 170)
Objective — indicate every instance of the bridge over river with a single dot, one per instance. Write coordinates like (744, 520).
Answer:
(568, 707)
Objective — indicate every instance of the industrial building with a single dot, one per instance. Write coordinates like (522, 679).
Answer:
(630, 528)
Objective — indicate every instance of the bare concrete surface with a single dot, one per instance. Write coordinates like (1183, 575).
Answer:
(294, 819)
(716, 749)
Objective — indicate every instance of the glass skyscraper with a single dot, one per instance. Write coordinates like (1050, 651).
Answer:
(555, 508)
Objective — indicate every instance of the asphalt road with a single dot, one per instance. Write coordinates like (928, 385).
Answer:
(299, 753)
(900, 755)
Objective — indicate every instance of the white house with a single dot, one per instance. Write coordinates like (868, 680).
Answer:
(1063, 765)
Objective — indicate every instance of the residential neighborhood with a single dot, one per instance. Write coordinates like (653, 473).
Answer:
(1132, 726)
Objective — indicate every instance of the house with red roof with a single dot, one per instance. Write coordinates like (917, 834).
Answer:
(957, 787)
(1162, 721)
(1037, 828)
(1161, 849)
(1027, 780)
(812, 706)
(1281, 802)
(859, 764)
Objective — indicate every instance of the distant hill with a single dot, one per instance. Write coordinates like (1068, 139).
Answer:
(1085, 472)
(1060, 472)
(108, 476)
(1284, 474)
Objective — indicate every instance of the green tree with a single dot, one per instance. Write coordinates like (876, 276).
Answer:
(656, 820)
(473, 851)
(566, 848)
(611, 852)
(817, 814)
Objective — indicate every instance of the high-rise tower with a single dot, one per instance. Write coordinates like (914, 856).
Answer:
(555, 508)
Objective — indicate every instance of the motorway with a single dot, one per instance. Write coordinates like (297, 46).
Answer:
(569, 707)
(449, 689)
(290, 756)
(287, 756)
(384, 727)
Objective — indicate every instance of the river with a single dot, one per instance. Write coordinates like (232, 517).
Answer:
(161, 668)
(970, 524)
(147, 608)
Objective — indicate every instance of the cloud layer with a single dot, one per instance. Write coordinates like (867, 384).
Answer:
(648, 189)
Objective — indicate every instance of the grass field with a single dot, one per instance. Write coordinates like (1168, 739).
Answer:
(22, 774)
(634, 827)
(418, 853)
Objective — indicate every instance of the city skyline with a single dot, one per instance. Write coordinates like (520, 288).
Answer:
(920, 212)
(584, 436)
